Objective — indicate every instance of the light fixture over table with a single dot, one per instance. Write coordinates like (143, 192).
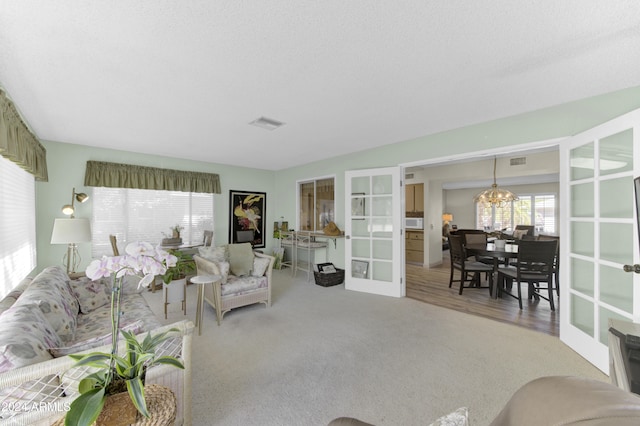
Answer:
(494, 195)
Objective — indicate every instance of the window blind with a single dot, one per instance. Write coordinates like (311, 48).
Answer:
(147, 215)
(17, 225)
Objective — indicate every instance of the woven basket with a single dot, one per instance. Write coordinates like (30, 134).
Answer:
(327, 280)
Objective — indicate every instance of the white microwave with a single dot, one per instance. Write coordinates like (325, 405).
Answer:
(413, 223)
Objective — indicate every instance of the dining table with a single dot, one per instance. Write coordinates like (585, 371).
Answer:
(498, 255)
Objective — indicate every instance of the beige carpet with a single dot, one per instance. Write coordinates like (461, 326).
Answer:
(320, 353)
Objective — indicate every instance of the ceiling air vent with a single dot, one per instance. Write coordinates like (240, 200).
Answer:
(408, 176)
(266, 123)
(518, 161)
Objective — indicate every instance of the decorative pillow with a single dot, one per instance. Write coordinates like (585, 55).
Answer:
(460, 417)
(215, 254)
(260, 265)
(224, 268)
(519, 233)
(91, 294)
(14, 294)
(25, 337)
(135, 327)
(240, 259)
(50, 291)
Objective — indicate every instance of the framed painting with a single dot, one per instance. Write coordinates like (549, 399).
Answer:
(246, 219)
(359, 268)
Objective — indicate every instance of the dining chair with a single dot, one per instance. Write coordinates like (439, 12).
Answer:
(207, 239)
(534, 266)
(114, 245)
(556, 262)
(460, 262)
(519, 231)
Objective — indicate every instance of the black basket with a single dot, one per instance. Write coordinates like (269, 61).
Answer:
(327, 280)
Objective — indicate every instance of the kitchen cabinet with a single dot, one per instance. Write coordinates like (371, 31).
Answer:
(414, 197)
(414, 246)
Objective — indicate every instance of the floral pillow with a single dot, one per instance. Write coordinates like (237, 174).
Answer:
(91, 294)
(260, 265)
(25, 337)
(215, 254)
(50, 291)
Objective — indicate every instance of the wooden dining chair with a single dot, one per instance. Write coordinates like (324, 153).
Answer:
(114, 245)
(534, 266)
(207, 239)
(556, 263)
(460, 262)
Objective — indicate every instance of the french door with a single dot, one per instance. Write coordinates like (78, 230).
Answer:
(599, 234)
(373, 235)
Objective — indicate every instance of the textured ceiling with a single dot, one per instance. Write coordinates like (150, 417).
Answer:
(184, 78)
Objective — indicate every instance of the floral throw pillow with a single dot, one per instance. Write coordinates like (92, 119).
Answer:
(260, 265)
(25, 337)
(215, 254)
(91, 294)
(50, 291)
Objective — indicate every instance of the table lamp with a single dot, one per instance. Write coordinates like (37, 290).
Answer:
(71, 232)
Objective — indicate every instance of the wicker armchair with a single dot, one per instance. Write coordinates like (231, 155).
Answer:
(234, 292)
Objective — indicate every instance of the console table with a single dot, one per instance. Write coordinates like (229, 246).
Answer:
(307, 243)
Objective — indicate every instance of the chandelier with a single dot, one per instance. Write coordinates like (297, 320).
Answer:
(494, 195)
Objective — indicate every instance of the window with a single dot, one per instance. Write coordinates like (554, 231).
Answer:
(146, 215)
(17, 226)
(316, 204)
(538, 210)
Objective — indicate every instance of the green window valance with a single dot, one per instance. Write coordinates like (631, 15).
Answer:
(113, 175)
(18, 144)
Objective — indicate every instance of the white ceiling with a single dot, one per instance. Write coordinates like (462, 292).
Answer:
(184, 78)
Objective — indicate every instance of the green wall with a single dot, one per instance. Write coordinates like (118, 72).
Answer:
(66, 164)
(546, 124)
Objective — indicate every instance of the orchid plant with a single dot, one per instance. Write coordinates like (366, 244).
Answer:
(141, 259)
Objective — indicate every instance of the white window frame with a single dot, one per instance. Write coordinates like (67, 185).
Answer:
(532, 218)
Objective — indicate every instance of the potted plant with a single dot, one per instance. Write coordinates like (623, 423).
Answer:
(175, 231)
(175, 278)
(121, 371)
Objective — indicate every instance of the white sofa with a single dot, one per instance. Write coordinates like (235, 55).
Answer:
(45, 319)
(245, 276)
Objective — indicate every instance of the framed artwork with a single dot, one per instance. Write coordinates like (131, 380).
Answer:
(246, 219)
(359, 268)
(357, 205)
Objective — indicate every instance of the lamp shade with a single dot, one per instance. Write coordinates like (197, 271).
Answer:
(68, 231)
(447, 217)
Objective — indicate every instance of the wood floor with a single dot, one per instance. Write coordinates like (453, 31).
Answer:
(431, 285)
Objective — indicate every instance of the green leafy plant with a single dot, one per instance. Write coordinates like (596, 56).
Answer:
(129, 369)
(117, 372)
(184, 266)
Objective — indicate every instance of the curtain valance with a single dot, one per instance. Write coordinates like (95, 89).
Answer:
(18, 144)
(113, 175)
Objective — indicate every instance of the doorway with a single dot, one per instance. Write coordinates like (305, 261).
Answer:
(450, 185)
